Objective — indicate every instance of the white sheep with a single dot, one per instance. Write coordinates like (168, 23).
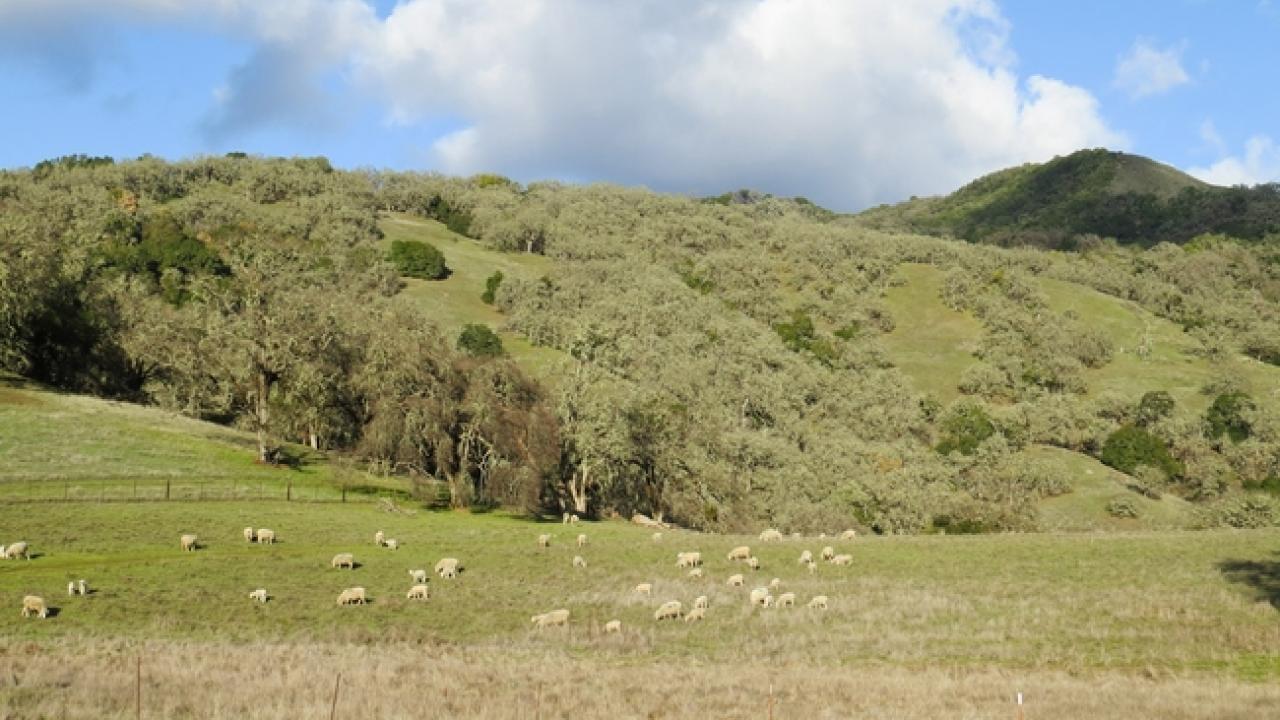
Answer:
(735, 581)
(550, 619)
(768, 602)
(819, 602)
(849, 534)
(695, 573)
(71, 587)
(786, 600)
(266, 537)
(753, 562)
(688, 559)
(392, 544)
(669, 610)
(353, 596)
(644, 589)
(564, 519)
(544, 540)
(695, 615)
(813, 567)
(34, 604)
(188, 542)
(448, 568)
(613, 626)
(579, 561)
(657, 537)
(842, 560)
(828, 552)
(82, 587)
(770, 535)
(742, 552)
(806, 557)
(346, 560)
(248, 534)
(418, 576)
(260, 595)
(378, 538)
(775, 583)
(573, 519)
(759, 595)
(701, 603)
(418, 592)
(17, 550)
(582, 539)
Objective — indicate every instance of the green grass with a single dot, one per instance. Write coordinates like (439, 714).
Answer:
(930, 343)
(455, 301)
(1093, 486)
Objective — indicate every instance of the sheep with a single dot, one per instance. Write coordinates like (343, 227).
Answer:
(448, 568)
(688, 559)
(775, 583)
(842, 560)
(418, 576)
(34, 604)
(796, 536)
(392, 544)
(819, 602)
(17, 550)
(579, 561)
(768, 602)
(695, 573)
(248, 534)
(346, 560)
(266, 537)
(813, 567)
(770, 535)
(573, 519)
(735, 581)
(669, 610)
(753, 563)
(189, 543)
(786, 600)
(742, 552)
(71, 588)
(564, 519)
(701, 603)
(849, 534)
(644, 589)
(550, 619)
(378, 537)
(759, 595)
(352, 596)
(657, 537)
(544, 540)
(418, 592)
(806, 557)
(582, 539)
(828, 552)
(695, 615)
(82, 587)
(613, 626)
(260, 595)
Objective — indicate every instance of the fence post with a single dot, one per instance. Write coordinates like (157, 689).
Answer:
(167, 482)
(344, 492)
(288, 491)
(333, 708)
(770, 701)
(137, 696)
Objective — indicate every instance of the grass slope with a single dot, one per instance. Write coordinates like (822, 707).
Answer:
(1093, 485)
(931, 343)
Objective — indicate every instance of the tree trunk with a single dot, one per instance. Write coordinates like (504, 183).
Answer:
(578, 490)
(313, 440)
(262, 416)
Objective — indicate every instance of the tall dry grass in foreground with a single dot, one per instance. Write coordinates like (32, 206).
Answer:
(211, 680)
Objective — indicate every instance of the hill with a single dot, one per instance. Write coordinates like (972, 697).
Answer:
(1090, 192)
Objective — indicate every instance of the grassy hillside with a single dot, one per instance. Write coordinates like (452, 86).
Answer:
(930, 342)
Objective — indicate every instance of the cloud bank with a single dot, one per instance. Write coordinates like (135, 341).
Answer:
(1260, 163)
(1146, 71)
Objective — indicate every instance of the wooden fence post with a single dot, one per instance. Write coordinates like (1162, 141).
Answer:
(137, 691)
(288, 491)
(333, 708)
(167, 482)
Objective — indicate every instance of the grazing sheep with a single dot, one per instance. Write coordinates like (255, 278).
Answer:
(71, 588)
(695, 615)
(770, 535)
(346, 560)
(768, 602)
(645, 521)
(759, 596)
(544, 540)
(378, 538)
(735, 581)
(418, 576)
(742, 552)
(573, 519)
(842, 560)
(669, 610)
(786, 600)
(753, 562)
(644, 589)
(82, 587)
(18, 550)
(550, 619)
(701, 603)
(849, 534)
(775, 583)
(352, 596)
(579, 561)
(582, 539)
(448, 568)
(806, 557)
(260, 595)
(695, 573)
(819, 602)
(248, 534)
(392, 544)
(613, 626)
(828, 552)
(418, 592)
(34, 605)
(266, 537)
(688, 559)
(564, 519)
(657, 537)
(813, 567)
(188, 542)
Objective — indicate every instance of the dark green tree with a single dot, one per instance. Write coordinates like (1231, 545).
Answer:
(478, 340)
(418, 260)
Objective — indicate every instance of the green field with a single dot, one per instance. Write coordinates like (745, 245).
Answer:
(931, 343)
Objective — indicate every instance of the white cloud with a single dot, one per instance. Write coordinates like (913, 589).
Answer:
(1146, 70)
(1259, 164)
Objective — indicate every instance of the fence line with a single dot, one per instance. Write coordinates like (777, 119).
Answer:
(170, 489)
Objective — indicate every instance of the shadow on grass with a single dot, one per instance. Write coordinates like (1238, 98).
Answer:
(1262, 576)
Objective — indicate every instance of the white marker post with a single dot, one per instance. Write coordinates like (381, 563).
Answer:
(1020, 715)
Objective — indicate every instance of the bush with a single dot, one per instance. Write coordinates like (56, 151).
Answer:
(1247, 511)
(1123, 507)
(965, 428)
(418, 260)
(1153, 407)
(491, 287)
(479, 341)
(1226, 417)
(1131, 446)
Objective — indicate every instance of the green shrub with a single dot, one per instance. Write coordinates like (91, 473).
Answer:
(1123, 507)
(418, 260)
(1153, 407)
(964, 428)
(479, 341)
(491, 287)
(1242, 511)
(1131, 446)
(1226, 416)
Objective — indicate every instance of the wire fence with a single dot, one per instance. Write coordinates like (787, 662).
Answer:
(180, 489)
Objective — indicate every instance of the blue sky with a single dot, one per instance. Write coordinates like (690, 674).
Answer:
(848, 103)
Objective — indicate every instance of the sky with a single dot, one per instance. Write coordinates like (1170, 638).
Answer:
(850, 103)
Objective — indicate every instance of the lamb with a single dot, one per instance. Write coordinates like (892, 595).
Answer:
(448, 568)
(695, 615)
(695, 573)
(418, 592)
(266, 537)
(742, 552)
(842, 560)
(770, 535)
(688, 559)
(849, 534)
(418, 576)
(669, 610)
(189, 543)
(644, 589)
(828, 552)
(579, 561)
(392, 544)
(775, 583)
(701, 603)
(17, 550)
(248, 534)
(819, 602)
(34, 605)
(786, 600)
(735, 581)
(378, 537)
(260, 595)
(806, 557)
(544, 540)
(613, 626)
(550, 619)
(753, 563)
(346, 560)
(352, 596)
(759, 596)
(582, 539)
